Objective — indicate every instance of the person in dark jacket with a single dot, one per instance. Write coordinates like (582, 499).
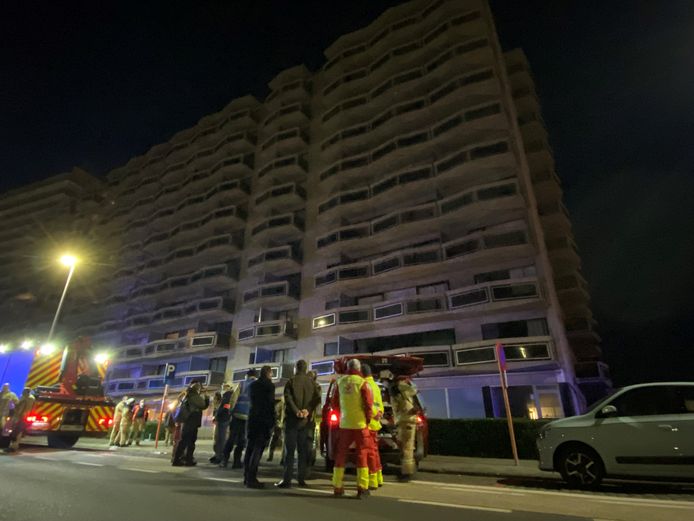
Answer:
(222, 416)
(301, 397)
(195, 402)
(261, 419)
(240, 404)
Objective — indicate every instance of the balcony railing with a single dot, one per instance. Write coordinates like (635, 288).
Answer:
(188, 310)
(514, 289)
(282, 290)
(267, 332)
(187, 344)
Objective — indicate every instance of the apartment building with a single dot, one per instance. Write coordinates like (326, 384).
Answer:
(401, 199)
(37, 221)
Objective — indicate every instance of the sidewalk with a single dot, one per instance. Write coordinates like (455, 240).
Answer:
(492, 467)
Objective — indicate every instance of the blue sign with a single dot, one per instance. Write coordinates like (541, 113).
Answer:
(169, 373)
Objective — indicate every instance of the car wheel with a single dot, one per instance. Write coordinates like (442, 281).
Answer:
(581, 467)
(62, 441)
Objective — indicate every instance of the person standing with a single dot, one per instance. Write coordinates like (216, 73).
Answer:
(23, 407)
(7, 400)
(353, 398)
(193, 404)
(240, 406)
(276, 440)
(375, 467)
(301, 399)
(405, 409)
(140, 412)
(169, 426)
(126, 422)
(117, 417)
(261, 419)
(221, 416)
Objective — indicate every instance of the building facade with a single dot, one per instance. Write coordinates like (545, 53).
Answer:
(401, 199)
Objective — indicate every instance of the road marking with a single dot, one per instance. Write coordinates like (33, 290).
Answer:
(320, 491)
(646, 503)
(146, 471)
(88, 464)
(44, 458)
(225, 480)
(592, 497)
(495, 492)
(453, 505)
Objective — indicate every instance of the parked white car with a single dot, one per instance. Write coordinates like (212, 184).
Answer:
(640, 431)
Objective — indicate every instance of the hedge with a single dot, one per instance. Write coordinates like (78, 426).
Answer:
(484, 438)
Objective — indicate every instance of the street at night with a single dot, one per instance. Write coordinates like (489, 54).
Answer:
(93, 483)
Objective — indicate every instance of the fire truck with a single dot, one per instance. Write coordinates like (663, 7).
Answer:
(70, 401)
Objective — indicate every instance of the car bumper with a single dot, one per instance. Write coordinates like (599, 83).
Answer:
(545, 451)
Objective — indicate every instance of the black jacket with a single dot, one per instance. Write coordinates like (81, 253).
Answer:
(196, 404)
(262, 413)
(300, 393)
(223, 412)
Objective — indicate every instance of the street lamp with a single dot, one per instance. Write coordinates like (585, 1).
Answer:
(101, 358)
(69, 261)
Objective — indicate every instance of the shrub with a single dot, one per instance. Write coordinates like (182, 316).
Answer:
(484, 438)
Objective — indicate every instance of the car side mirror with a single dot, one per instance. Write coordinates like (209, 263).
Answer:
(609, 411)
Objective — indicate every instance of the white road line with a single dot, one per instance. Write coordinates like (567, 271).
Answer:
(499, 492)
(591, 497)
(44, 458)
(225, 480)
(146, 471)
(652, 504)
(88, 464)
(318, 490)
(453, 505)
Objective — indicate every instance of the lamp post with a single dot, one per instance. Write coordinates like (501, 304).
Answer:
(69, 261)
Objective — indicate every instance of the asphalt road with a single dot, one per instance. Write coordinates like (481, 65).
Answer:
(86, 484)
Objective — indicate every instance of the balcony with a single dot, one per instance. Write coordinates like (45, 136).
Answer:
(481, 356)
(572, 288)
(287, 197)
(267, 332)
(155, 384)
(291, 115)
(477, 298)
(563, 254)
(275, 296)
(186, 345)
(555, 217)
(286, 227)
(182, 313)
(285, 142)
(279, 261)
(283, 170)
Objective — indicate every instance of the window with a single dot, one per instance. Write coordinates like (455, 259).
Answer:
(391, 310)
(324, 321)
(438, 359)
(358, 315)
(514, 291)
(494, 192)
(649, 401)
(462, 248)
(469, 298)
(479, 355)
(527, 352)
(515, 328)
(219, 364)
(491, 276)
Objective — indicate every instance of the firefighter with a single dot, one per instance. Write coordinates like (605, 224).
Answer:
(139, 419)
(375, 467)
(7, 399)
(402, 393)
(125, 422)
(117, 417)
(353, 398)
(21, 409)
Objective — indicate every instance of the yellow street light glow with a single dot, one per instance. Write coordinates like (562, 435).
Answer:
(4, 348)
(27, 344)
(101, 358)
(47, 349)
(68, 260)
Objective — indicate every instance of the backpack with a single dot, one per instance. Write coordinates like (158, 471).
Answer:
(181, 412)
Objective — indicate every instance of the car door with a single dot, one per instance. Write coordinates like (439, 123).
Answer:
(683, 429)
(640, 439)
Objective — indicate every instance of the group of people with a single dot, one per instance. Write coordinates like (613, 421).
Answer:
(13, 409)
(248, 418)
(129, 421)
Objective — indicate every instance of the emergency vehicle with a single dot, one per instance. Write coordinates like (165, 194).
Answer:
(70, 401)
(388, 444)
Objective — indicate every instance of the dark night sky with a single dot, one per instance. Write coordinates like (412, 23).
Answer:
(94, 83)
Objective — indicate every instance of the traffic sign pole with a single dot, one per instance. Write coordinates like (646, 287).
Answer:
(161, 415)
(501, 363)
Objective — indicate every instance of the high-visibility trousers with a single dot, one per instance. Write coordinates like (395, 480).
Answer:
(362, 440)
(374, 462)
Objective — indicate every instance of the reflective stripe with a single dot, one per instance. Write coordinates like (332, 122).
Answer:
(374, 424)
(351, 404)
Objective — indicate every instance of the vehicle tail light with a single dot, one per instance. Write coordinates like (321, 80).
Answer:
(420, 419)
(36, 418)
(108, 422)
(333, 418)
